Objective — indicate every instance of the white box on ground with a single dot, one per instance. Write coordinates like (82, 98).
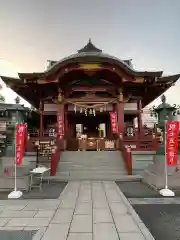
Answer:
(15, 194)
(167, 192)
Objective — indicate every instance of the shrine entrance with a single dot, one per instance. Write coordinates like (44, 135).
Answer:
(90, 132)
(90, 126)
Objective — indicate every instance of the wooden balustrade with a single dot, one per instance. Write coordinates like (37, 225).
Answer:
(144, 141)
(55, 157)
(97, 144)
(138, 141)
(127, 156)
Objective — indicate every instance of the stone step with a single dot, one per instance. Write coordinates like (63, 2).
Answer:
(92, 165)
(89, 169)
(111, 178)
(89, 177)
(90, 172)
(77, 155)
(92, 160)
(83, 161)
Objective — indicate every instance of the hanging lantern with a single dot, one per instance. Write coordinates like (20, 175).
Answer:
(6, 113)
(59, 97)
(28, 136)
(75, 109)
(105, 108)
(85, 112)
(90, 111)
(94, 112)
(101, 109)
(81, 110)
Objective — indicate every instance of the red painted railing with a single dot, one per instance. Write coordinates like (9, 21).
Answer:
(56, 153)
(55, 156)
(146, 140)
(127, 156)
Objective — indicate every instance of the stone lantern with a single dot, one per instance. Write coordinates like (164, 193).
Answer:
(154, 173)
(16, 113)
(163, 112)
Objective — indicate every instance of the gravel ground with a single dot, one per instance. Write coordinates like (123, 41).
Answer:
(141, 190)
(16, 235)
(162, 220)
(49, 191)
(137, 190)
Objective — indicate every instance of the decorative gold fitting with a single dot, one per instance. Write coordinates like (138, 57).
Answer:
(129, 149)
(121, 136)
(53, 150)
(121, 96)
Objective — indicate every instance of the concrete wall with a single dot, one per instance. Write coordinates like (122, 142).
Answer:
(141, 159)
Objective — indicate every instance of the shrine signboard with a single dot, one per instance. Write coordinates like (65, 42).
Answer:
(20, 139)
(172, 131)
(60, 125)
(113, 118)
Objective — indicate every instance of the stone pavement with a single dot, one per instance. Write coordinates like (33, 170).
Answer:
(84, 211)
(174, 200)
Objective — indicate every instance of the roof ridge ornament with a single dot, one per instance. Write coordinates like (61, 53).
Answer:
(163, 98)
(89, 47)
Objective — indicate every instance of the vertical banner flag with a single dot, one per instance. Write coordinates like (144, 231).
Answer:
(172, 131)
(60, 124)
(113, 118)
(20, 138)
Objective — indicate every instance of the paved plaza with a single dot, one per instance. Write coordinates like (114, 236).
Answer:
(84, 211)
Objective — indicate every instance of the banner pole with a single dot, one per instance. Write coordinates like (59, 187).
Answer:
(166, 192)
(15, 166)
(15, 194)
(165, 163)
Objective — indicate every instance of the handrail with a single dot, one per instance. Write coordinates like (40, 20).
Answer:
(55, 155)
(127, 156)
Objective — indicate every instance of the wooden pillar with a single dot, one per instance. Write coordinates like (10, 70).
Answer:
(66, 125)
(140, 124)
(120, 113)
(108, 130)
(41, 108)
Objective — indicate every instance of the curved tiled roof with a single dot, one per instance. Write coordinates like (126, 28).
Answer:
(93, 54)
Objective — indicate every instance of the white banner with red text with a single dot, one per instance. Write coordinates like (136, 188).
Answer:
(172, 132)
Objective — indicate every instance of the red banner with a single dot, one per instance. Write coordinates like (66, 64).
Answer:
(20, 138)
(113, 118)
(60, 124)
(172, 131)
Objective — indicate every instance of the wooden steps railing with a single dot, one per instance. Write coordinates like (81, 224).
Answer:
(127, 156)
(55, 157)
(56, 154)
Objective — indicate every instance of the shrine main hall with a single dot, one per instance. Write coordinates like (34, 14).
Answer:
(89, 101)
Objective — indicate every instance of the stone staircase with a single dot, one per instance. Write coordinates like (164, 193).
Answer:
(90, 165)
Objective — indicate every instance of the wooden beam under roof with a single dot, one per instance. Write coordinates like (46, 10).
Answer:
(92, 89)
(90, 100)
